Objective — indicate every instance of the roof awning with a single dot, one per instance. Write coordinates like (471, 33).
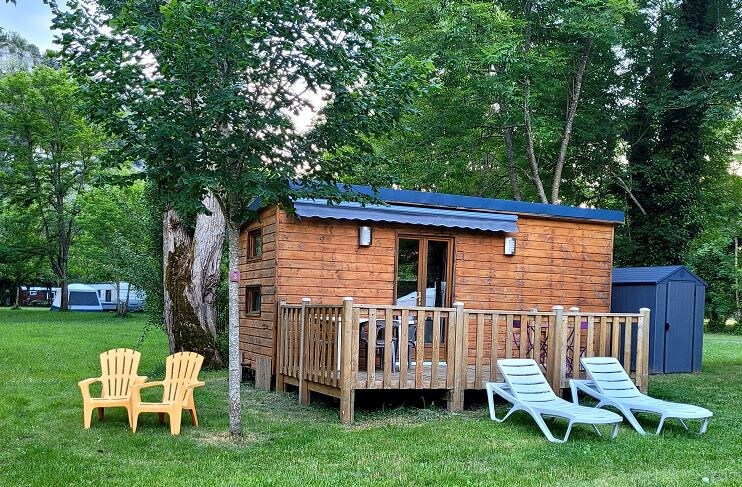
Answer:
(413, 215)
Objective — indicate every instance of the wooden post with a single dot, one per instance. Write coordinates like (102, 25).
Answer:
(559, 346)
(280, 333)
(456, 395)
(347, 391)
(263, 367)
(303, 389)
(642, 350)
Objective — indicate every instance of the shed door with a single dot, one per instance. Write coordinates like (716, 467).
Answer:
(679, 333)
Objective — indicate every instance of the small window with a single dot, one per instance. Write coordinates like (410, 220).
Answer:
(255, 244)
(32, 293)
(252, 300)
(108, 294)
(83, 298)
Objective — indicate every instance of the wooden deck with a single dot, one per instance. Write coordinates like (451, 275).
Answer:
(458, 349)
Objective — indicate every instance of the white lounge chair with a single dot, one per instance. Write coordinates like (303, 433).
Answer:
(611, 386)
(526, 388)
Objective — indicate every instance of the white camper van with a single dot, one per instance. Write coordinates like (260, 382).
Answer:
(109, 297)
(80, 298)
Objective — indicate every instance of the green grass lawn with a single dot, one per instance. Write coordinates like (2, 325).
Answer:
(44, 354)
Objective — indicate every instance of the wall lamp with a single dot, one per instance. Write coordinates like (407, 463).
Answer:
(365, 236)
(509, 245)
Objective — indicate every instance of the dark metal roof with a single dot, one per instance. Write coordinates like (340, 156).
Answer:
(443, 200)
(415, 215)
(652, 275)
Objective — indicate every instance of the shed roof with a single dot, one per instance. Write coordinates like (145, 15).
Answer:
(440, 217)
(652, 275)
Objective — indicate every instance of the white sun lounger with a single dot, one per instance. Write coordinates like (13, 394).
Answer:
(526, 388)
(610, 384)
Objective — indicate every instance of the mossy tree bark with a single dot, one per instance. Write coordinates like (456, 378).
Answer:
(192, 264)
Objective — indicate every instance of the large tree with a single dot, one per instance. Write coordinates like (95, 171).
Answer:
(523, 98)
(51, 153)
(22, 249)
(683, 94)
(203, 92)
(113, 242)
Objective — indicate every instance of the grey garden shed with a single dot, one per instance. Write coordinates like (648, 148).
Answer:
(676, 297)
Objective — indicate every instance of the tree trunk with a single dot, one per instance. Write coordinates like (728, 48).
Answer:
(530, 151)
(118, 299)
(126, 302)
(191, 277)
(738, 314)
(507, 134)
(17, 297)
(235, 365)
(571, 111)
(64, 297)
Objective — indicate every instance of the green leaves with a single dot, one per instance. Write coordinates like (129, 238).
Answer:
(683, 123)
(51, 155)
(204, 92)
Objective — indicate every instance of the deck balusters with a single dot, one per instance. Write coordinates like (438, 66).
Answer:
(320, 347)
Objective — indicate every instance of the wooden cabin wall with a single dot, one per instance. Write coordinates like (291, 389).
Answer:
(321, 259)
(556, 262)
(256, 332)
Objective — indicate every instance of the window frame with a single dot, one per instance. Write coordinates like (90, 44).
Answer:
(250, 292)
(251, 244)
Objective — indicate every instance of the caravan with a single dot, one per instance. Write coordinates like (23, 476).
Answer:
(109, 296)
(81, 298)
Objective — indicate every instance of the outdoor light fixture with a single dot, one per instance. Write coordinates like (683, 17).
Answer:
(364, 236)
(509, 245)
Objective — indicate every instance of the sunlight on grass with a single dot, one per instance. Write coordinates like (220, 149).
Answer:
(44, 354)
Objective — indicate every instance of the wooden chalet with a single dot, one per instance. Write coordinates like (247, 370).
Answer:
(459, 282)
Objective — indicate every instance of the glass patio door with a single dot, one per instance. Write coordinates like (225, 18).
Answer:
(423, 271)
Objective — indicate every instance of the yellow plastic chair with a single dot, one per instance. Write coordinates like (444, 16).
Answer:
(118, 375)
(181, 377)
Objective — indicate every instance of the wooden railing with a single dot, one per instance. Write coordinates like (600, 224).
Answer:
(414, 355)
(394, 347)
(491, 335)
(624, 336)
(308, 343)
(288, 335)
(555, 342)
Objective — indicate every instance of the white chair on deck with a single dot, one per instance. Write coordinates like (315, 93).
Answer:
(526, 388)
(611, 385)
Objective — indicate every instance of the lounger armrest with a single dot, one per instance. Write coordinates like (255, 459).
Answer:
(502, 389)
(85, 386)
(586, 386)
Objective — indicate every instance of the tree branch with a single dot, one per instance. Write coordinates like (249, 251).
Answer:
(571, 111)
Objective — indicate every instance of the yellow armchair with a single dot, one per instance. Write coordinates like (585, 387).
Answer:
(118, 375)
(181, 378)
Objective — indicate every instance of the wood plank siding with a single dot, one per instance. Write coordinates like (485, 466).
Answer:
(257, 331)
(556, 262)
